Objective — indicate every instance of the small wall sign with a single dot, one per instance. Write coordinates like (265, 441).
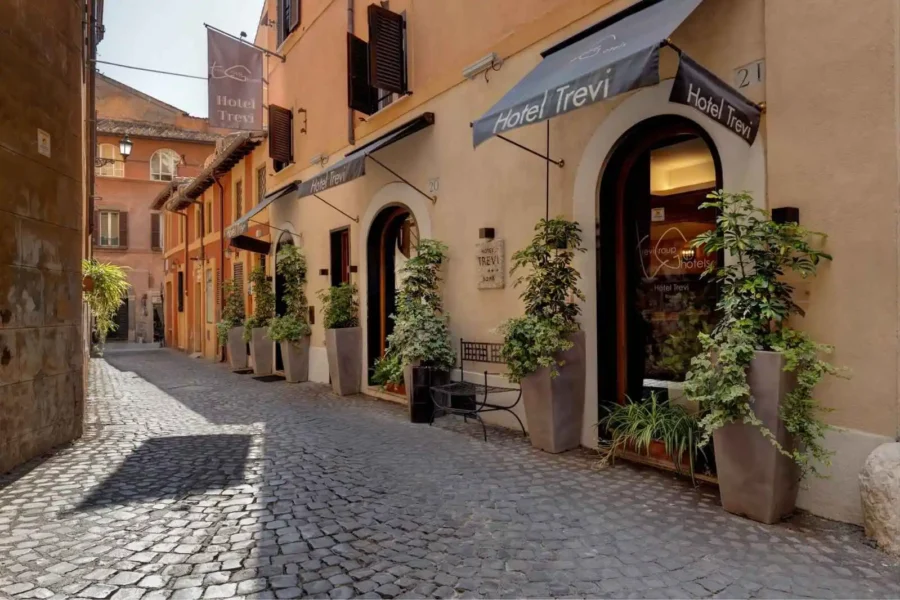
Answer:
(750, 74)
(491, 265)
(43, 142)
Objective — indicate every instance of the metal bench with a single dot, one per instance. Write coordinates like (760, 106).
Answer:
(461, 397)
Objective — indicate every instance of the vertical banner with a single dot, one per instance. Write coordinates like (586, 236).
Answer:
(701, 90)
(235, 83)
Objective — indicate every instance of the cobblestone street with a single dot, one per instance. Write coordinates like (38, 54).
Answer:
(194, 482)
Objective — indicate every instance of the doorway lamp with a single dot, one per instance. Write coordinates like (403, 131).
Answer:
(125, 146)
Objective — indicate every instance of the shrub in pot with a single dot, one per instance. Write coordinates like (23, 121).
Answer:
(291, 329)
(544, 349)
(419, 352)
(109, 285)
(755, 377)
(343, 338)
(256, 331)
(230, 330)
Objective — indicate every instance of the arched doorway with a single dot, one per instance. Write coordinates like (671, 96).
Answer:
(651, 300)
(280, 304)
(391, 241)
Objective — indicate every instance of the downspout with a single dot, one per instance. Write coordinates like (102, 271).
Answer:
(92, 121)
(202, 269)
(221, 257)
(351, 134)
(185, 286)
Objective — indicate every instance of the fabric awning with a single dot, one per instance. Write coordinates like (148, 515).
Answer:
(240, 227)
(353, 165)
(251, 244)
(617, 58)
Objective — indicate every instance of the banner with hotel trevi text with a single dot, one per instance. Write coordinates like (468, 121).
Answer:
(235, 83)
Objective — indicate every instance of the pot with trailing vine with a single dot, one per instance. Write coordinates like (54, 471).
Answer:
(256, 327)
(755, 377)
(544, 350)
(292, 329)
(343, 338)
(230, 330)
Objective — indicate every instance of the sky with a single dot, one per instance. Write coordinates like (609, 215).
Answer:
(169, 35)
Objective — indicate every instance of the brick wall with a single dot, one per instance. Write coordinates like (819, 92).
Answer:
(41, 204)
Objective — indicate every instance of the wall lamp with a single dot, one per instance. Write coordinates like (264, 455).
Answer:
(125, 147)
(489, 61)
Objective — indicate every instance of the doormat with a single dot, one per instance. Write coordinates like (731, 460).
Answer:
(242, 371)
(269, 378)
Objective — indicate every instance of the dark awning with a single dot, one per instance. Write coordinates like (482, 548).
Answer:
(251, 244)
(612, 60)
(240, 227)
(353, 165)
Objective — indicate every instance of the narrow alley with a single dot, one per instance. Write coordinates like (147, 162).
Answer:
(191, 481)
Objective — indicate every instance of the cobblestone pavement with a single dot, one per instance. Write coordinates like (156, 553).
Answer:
(195, 482)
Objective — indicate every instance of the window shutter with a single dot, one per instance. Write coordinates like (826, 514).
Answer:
(360, 95)
(180, 291)
(123, 229)
(96, 236)
(295, 14)
(280, 134)
(279, 18)
(155, 242)
(239, 280)
(387, 57)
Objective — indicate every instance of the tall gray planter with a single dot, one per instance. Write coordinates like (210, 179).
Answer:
(755, 479)
(263, 351)
(554, 406)
(237, 349)
(295, 356)
(344, 347)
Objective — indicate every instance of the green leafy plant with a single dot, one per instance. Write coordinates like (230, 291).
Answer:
(293, 325)
(110, 284)
(421, 332)
(340, 306)
(233, 313)
(634, 426)
(755, 305)
(551, 288)
(263, 303)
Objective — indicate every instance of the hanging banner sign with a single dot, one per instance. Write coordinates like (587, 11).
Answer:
(235, 83)
(700, 89)
(349, 168)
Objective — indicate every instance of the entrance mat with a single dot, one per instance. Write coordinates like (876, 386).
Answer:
(269, 378)
(242, 371)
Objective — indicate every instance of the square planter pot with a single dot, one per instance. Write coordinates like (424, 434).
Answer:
(344, 347)
(554, 406)
(295, 356)
(237, 349)
(263, 351)
(755, 479)
(419, 381)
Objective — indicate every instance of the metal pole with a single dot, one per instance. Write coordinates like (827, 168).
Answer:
(243, 41)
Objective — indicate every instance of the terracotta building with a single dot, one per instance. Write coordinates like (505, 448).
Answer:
(45, 166)
(167, 143)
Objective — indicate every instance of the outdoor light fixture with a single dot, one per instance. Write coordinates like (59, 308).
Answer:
(125, 146)
(486, 233)
(688, 254)
(489, 61)
(318, 159)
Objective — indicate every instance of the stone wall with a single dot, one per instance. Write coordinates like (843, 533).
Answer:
(41, 204)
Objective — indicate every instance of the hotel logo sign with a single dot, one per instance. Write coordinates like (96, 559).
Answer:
(235, 83)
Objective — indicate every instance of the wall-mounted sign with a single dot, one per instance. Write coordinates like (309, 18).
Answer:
(750, 74)
(491, 265)
(43, 142)
(658, 214)
(235, 83)
(698, 88)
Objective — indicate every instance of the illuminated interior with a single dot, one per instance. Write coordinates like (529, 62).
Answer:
(682, 167)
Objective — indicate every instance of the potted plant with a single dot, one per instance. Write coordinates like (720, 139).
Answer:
(755, 376)
(343, 338)
(419, 351)
(653, 428)
(108, 285)
(544, 349)
(230, 330)
(291, 329)
(256, 327)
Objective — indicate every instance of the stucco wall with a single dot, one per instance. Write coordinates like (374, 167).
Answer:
(41, 359)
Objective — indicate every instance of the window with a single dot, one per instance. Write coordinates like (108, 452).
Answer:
(281, 136)
(164, 165)
(260, 184)
(182, 227)
(116, 168)
(198, 220)
(340, 256)
(239, 280)
(180, 291)
(238, 199)
(209, 218)
(109, 227)
(210, 296)
(288, 18)
(377, 68)
(155, 231)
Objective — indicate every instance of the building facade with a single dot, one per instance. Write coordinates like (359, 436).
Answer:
(167, 144)
(401, 115)
(45, 163)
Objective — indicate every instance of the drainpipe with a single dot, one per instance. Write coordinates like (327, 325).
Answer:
(221, 256)
(185, 287)
(202, 266)
(351, 134)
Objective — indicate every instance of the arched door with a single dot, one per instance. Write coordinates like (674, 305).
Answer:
(652, 301)
(391, 241)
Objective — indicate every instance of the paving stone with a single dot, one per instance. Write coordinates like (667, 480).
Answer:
(250, 586)
(128, 593)
(98, 591)
(191, 593)
(221, 591)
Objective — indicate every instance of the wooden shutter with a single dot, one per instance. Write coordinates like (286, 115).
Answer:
(387, 57)
(239, 280)
(295, 14)
(96, 234)
(123, 229)
(180, 291)
(281, 147)
(279, 20)
(361, 96)
(155, 242)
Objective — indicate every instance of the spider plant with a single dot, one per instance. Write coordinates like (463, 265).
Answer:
(635, 425)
